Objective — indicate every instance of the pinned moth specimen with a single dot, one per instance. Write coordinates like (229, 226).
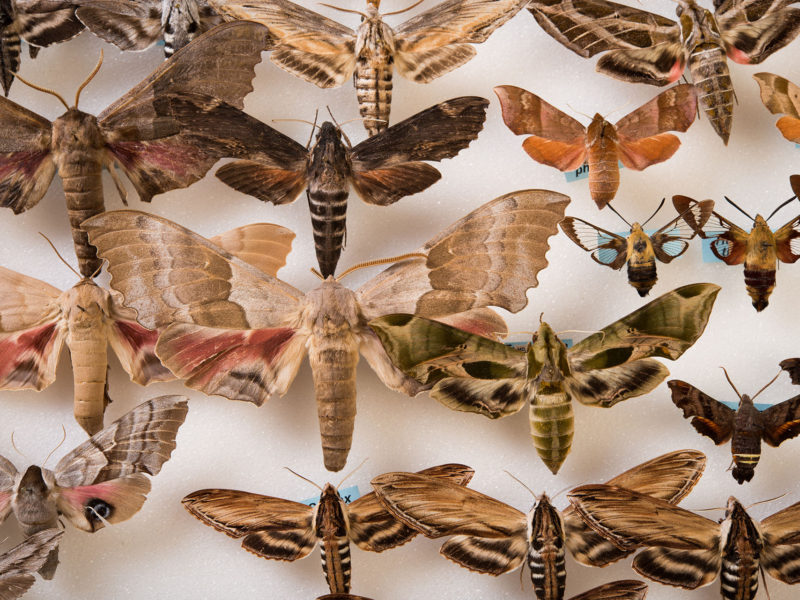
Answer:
(639, 250)
(760, 250)
(781, 96)
(491, 537)
(382, 168)
(643, 47)
(744, 427)
(104, 480)
(137, 133)
(138, 24)
(472, 373)
(327, 54)
(18, 565)
(792, 366)
(235, 331)
(686, 550)
(639, 139)
(39, 24)
(286, 530)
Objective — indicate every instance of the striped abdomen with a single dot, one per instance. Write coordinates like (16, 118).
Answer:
(760, 283)
(746, 440)
(552, 424)
(328, 221)
(333, 360)
(373, 81)
(83, 188)
(603, 172)
(642, 276)
(9, 56)
(335, 553)
(740, 561)
(87, 344)
(711, 77)
(548, 569)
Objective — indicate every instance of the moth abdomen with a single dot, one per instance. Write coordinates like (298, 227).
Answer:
(711, 77)
(373, 82)
(328, 221)
(642, 276)
(603, 172)
(9, 56)
(335, 554)
(552, 426)
(759, 283)
(546, 552)
(84, 194)
(87, 344)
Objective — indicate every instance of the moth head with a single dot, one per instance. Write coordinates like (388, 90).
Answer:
(32, 482)
(733, 508)
(546, 520)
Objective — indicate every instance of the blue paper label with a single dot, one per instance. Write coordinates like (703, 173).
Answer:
(348, 494)
(581, 172)
(735, 405)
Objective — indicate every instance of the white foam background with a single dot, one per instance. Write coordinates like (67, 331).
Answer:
(165, 553)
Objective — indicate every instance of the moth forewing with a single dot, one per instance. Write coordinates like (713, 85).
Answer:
(18, 564)
(781, 96)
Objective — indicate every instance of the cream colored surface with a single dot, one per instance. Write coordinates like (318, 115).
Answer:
(163, 552)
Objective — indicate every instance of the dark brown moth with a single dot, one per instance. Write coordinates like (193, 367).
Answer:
(639, 139)
(781, 96)
(138, 133)
(327, 54)
(639, 250)
(286, 530)
(643, 47)
(382, 168)
(686, 550)
(491, 537)
(760, 250)
(39, 23)
(744, 427)
(104, 480)
(138, 24)
(233, 330)
(18, 565)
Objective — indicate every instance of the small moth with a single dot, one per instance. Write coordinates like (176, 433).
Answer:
(781, 96)
(760, 250)
(488, 536)
(233, 330)
(382, 168)
(643, 47)
(137, 133)
(638, 140)
(639, 250)
(744, 427)
(686, 550)
(472, 373)
(327, 54)
(286, 530)
(138, 24)
(18, 565)
(104, 480)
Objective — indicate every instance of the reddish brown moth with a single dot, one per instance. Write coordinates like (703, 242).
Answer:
(643, 47)
(760, 250)
(233, 330)
(102, 481)
(781, 96)
(286, 530)
(638, 140)
(137, 133)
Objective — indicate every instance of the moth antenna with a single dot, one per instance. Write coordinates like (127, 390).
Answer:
(739, 208)
(317, 273)
(98, 516)
(764, 579)
(521, 582)
(766, 386)
(519, 481)
(89, 78)
(381, 261)
(61, 258)
(624, 106)
(579, 331)
(624, 220)
(345, 10)
(406, 9)
(313, 127)
(765, 501)
(772, 214)
(303, 478)
(729, 381)
(559, 493)
(339, 127)
(351, 473)
(541, 317)
(43, 89)
(583, 114)
(63, 438)
(373, 119)
(96, 272)
(709, 509)
(520, 332)
(655, 213)
(20, 452)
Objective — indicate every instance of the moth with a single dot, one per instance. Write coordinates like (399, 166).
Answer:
(327, 54)
(639, 139)
(781, 96)
(638, 250)
(138, 24)
(286, 530)
(382, 168)
(18, 565)
(643, 47)
(137, 133)
(472, 373)
(488, 536)
(744, 427)
(792, 366)
(624, 589)
(760, 250)
(235, 331)
(686, 550)
(104, 480)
